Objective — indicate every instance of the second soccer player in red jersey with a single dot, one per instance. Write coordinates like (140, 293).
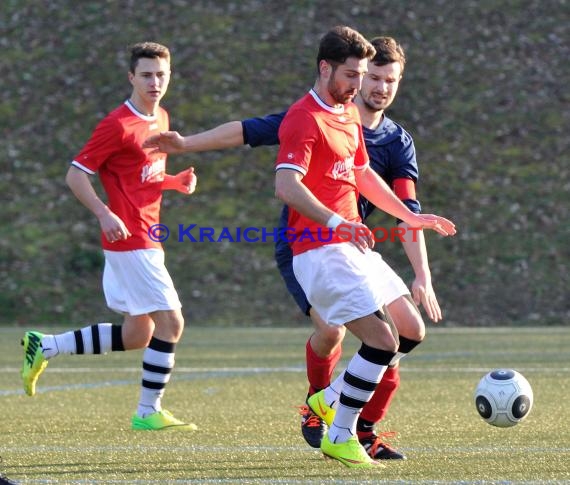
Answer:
(136, 282)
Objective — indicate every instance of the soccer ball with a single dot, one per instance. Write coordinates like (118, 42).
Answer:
(503, 398)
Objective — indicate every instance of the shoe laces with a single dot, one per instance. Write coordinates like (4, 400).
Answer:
(310, 419)
(377, 441)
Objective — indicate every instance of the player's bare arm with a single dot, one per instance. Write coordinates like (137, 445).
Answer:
(422, 289)
(183, 182)
(226, 135)
(371, 186)
(292, 192)
(414, 245)
(111, 225)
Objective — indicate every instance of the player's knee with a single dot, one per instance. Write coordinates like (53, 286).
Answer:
(389, 343)
(416, 330)
(334, 334)
(384, 341)
(136, 340)
(330, 335)
(176, 327)
(407, 318)
(416, 334)
(412, 327)
(136, 332)
(383, 338)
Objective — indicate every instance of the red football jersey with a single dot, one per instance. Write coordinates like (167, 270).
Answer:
(326, 145)
(132, 178)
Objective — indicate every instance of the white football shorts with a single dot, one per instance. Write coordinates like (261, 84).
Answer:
(344, 284)
(137, 282)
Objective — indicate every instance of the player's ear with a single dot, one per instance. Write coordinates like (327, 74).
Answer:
(324, 68)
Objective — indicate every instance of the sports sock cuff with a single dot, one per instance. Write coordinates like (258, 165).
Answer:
(407, 345)
(117, 338)
(376, 356)
(161, 345)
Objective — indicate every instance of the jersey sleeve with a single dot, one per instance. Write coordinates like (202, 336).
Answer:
(404, 163)
(405, 172)
(105, 139)
(297, 135)
(262, 130)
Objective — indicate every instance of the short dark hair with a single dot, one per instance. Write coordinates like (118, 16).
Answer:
(342, 42)
(148, 50)
(387, 51)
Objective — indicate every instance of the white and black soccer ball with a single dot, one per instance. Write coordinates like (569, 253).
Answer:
(503, 398)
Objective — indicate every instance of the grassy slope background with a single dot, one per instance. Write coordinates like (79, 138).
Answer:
(484, 95)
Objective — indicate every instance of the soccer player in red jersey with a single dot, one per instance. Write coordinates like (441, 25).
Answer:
(322, 166)
(136, 282)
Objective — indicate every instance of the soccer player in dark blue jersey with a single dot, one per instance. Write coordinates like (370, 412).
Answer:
(393, 156)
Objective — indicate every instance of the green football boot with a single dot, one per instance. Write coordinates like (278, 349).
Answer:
(160, 420)
(317, 403)
(350, 453)
(34, 361)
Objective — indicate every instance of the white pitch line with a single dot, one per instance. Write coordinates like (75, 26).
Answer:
(107, 370)
(197, 373)
(264, 370)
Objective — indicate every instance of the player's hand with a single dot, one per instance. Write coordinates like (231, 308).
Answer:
(113, 227)
(184, 182)
(189, 180)
(165, 142)
(439, 224)
(423, 293)
(356, 233)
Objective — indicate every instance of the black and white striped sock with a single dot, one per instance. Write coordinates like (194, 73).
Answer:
(95, 339)
(361, 377)
(158, 362)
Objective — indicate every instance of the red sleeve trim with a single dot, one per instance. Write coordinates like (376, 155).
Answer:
(405, 189)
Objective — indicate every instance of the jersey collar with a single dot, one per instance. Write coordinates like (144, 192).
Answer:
(135, 111)
(325, 106)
